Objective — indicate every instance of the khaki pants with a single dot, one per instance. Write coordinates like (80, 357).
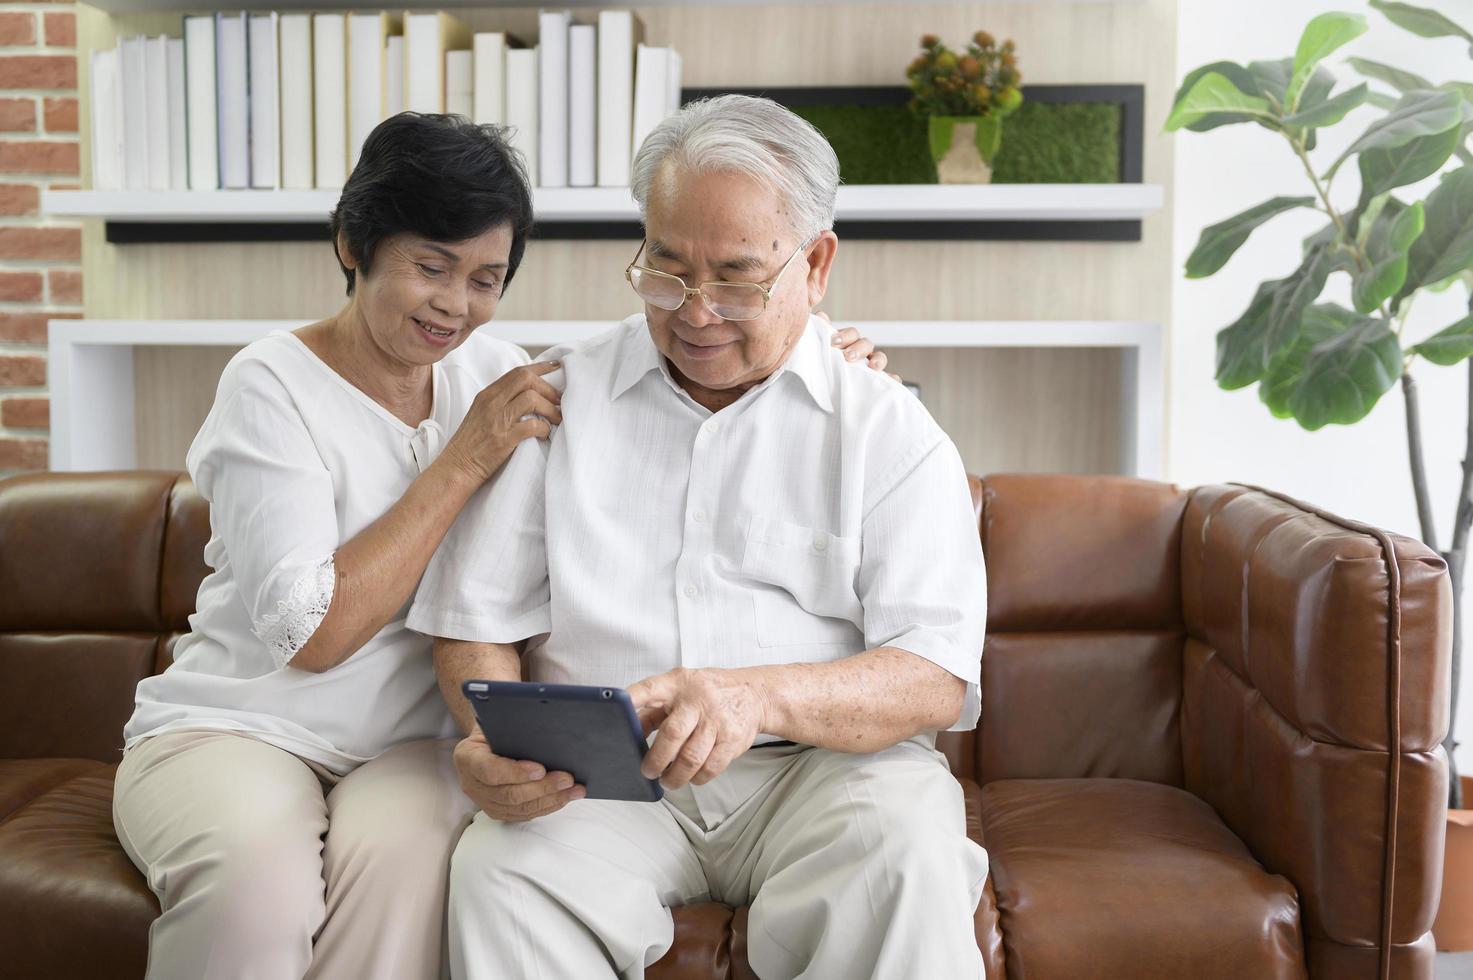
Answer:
(270, 867)
(854, 866)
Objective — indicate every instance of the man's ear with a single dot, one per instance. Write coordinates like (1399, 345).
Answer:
(345, 254)
(820, 263)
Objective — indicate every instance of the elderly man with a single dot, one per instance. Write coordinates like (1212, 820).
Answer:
(777, 556)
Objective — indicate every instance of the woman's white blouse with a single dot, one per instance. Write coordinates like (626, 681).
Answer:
(294, 462)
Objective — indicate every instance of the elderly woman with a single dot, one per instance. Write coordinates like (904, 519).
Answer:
(287, 786)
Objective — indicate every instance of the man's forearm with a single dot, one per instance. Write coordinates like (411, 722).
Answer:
(458, 661)
(862, 703)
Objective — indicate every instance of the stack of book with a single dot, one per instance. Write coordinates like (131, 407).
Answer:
(285, 100)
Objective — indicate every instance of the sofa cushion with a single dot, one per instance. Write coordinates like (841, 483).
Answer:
(1123, 878)
(24, 780)
(68, 695)
(72, 903)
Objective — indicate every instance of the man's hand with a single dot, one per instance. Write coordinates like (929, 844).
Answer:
(706, 718)
(509, 790)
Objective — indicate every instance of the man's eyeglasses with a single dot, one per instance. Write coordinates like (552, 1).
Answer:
(728, 300)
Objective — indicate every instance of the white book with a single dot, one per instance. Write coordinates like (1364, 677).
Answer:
(265, 90)
(651, 93)
(178, 121)
(296, 108)
(330, 98)
(393, 75)
(582, 128)
(231, 71)
(132, 81)
(426, 39)
(552, 123)
(488, 104)
(107, 117)
(459, 88)
(619, 31)
(156, 82)
(673, 71)
(367, 37)
(521, 106)
(199, 102)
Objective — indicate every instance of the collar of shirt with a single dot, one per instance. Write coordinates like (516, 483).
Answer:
(640, 358)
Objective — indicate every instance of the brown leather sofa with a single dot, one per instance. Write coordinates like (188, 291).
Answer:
(1209, 742)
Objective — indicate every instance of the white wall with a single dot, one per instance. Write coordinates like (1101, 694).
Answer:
(1358, 471)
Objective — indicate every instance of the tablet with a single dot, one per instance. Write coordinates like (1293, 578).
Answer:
(592, 733)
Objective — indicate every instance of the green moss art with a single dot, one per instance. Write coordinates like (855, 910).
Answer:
(1042, 143)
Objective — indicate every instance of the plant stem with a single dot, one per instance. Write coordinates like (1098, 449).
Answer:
(1324, 194)
(1418, 464)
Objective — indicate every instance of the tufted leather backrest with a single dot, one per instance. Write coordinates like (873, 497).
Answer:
(98, 573)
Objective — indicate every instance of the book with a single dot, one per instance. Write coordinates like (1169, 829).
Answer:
(107, 116)
(426, 39)
(330, 98)
(234, 120)
(368, 36)
(651, 93)
(488, 104)
(619, 33)
(265, 99)
(156, 82)
(200, 102)
(133, 83)
(297, 169)
(178, 120)
(393, 75)
(582, 98)
(552, 89)
(459, 88)
(521, 106)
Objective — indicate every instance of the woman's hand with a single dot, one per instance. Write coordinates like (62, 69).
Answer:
(520, 404)
(855, 347)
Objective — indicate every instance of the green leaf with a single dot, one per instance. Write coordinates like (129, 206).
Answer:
(1384, 170)
(1391, 235)
(1450, 345)
(1322, 36)
(939, 130)
(1420, 20)
(1271, 79)
(988, 137)
(1214, 93)
(1381, 100)
(1245, 347)
(1329, 111)
(1236, 74)
(1402, 81)
(1419, 113)
(1218, 242)
(1338, 366)
(1446, 246)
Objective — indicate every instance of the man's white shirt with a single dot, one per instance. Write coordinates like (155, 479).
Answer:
(822, 514)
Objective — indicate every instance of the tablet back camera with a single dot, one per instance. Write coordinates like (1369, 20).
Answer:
(608, 694)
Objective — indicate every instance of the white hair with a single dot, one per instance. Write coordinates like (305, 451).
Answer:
(746, 135)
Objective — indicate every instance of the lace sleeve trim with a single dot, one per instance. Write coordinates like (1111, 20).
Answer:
(298, 615)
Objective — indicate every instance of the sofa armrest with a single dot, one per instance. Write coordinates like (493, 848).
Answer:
(1315, 701)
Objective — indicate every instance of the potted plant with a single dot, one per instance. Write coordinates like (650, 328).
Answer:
(964, 99)
(1324, 363)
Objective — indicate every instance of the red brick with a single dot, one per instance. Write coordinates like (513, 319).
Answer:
(23, 454)
(22, 371)
(66, 286)
(64, 187)
(38, 71)
(61, 115)
(61, 30)
(46, 244)
(29, 328)
(19, 199)
(40, 157)
(26, 413)
(18, 29)
(18, 115)
(20, 287)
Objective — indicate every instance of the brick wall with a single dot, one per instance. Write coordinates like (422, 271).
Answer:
(40, 259)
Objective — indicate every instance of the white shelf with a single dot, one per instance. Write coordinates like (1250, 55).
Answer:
(93, 406)
(876, 202)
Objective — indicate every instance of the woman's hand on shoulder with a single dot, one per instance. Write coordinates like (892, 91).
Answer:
(521, 404)
(856, 348)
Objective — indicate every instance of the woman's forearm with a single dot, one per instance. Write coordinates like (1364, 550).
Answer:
(378, 569)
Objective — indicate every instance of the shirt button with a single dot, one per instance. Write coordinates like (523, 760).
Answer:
(713, 427)
(700, 517)
(691, 591)
(820, 543)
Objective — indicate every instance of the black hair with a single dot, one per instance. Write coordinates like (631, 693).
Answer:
(439, 176)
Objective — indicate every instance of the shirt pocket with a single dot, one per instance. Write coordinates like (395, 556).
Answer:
(802, 583)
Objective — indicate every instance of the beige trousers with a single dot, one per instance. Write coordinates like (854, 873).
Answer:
(270, 867)
(854, 866)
